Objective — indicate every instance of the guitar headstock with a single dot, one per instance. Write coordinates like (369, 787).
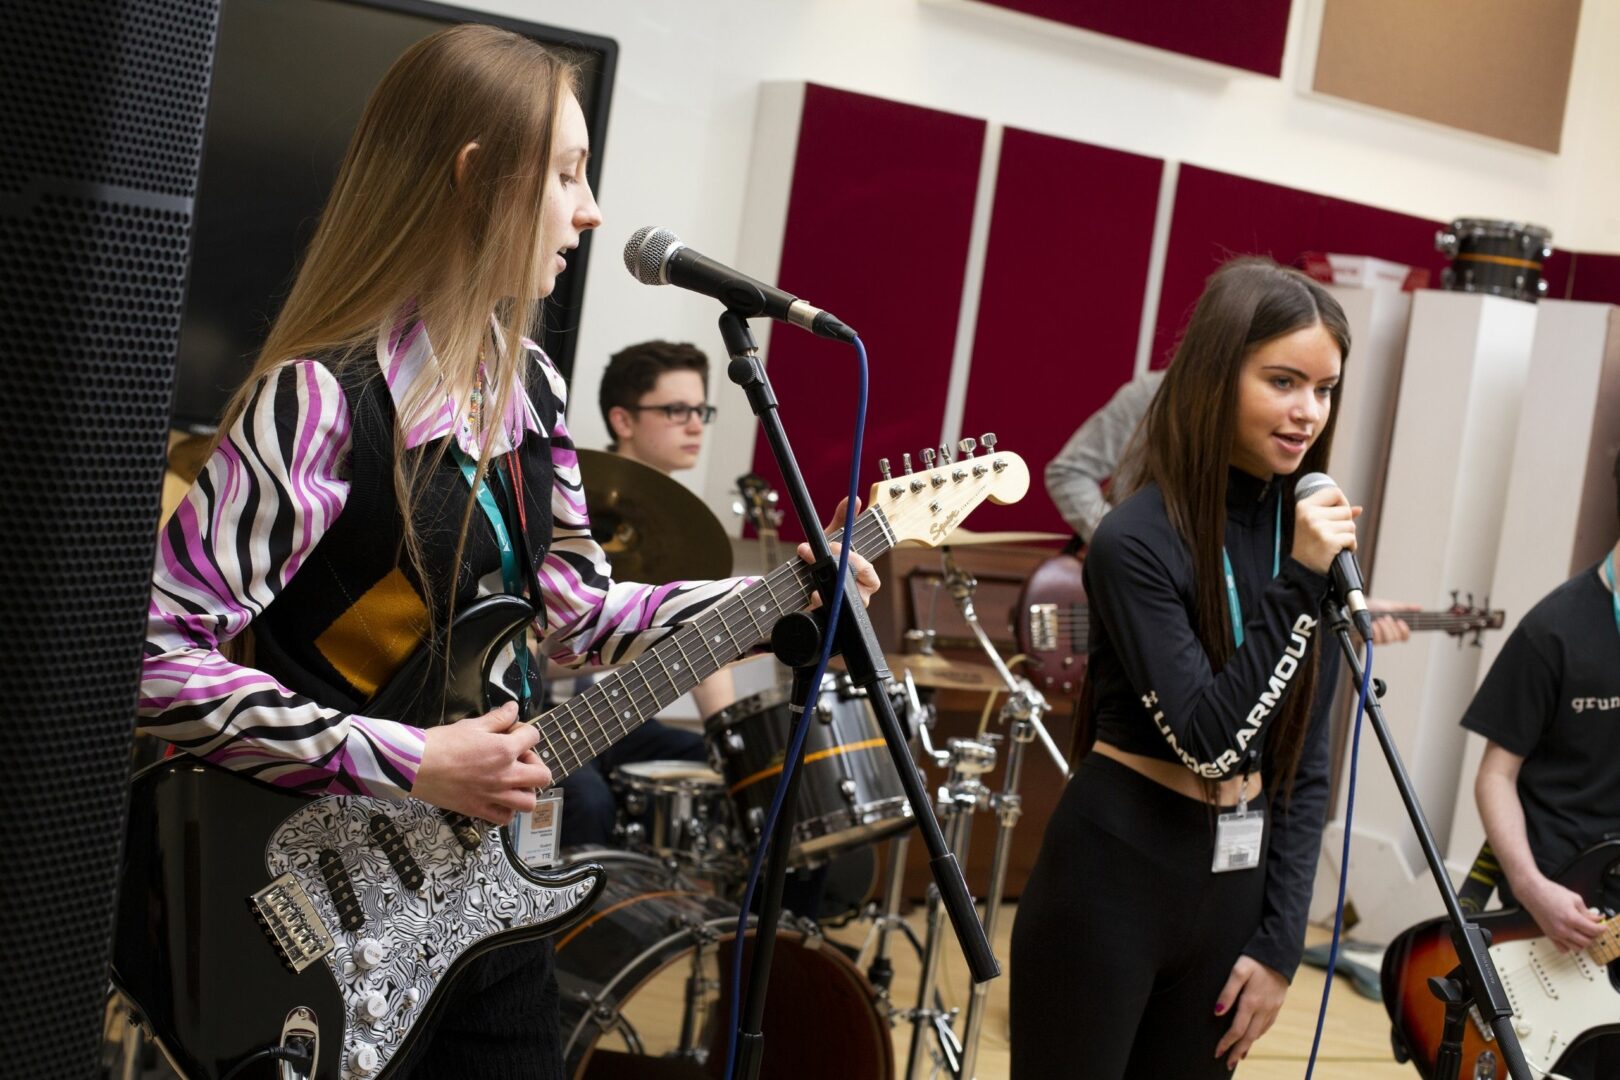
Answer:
(758, 505)
(1463, 618)
(924, 507)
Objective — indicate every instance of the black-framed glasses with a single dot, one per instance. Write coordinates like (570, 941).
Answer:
(679, 412)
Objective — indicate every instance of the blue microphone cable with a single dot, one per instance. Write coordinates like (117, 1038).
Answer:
(801, 726)
(1344, 855)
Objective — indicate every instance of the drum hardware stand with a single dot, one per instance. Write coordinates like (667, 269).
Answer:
(1024, 708)
(1474, 981)
(864, 660)
(880, 973)
(1025, 699)
(966, 760)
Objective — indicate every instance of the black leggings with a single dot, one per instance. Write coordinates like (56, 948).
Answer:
(1124, 937)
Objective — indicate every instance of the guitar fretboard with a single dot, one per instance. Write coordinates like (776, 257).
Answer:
(606, 711)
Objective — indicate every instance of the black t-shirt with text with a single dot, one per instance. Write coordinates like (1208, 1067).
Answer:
(1553, 698)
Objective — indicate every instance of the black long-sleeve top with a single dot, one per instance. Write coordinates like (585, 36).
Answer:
(1155, 691)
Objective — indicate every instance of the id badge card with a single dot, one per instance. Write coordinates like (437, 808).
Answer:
(1238, 837)
(537, 834)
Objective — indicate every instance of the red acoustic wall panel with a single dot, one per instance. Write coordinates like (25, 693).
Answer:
(1060, 310)
(1241, 33)
(877, 228)
(1595, 278)
(1218, 216)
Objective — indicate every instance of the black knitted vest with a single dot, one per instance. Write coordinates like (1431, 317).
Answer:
(354, 611)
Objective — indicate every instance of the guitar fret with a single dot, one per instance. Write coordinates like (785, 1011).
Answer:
(725, 632)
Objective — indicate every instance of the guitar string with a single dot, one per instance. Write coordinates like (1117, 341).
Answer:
(694, 634)
(555, 724)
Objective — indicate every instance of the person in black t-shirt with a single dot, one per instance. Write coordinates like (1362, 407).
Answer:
(1548, 786)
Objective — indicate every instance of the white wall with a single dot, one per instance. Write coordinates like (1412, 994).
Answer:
(682, 126)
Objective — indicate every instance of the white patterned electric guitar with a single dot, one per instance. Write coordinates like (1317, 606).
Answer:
(262, 930)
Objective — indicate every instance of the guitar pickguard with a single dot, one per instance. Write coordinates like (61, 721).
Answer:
(388, 968)
(1556, 995)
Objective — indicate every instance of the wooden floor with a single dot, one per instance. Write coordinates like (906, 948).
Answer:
(1355, 1041)
(1355, 1044)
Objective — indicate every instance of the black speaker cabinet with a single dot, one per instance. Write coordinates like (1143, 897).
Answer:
(101, 125)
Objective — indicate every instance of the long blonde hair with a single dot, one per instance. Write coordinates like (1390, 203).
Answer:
(400, 228)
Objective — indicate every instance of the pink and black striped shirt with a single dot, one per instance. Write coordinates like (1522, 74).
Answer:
(237, 539)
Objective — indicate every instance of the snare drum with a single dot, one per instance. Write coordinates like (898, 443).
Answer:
(641, 976)
(848, 791)
(677, 809)
(1504, 258)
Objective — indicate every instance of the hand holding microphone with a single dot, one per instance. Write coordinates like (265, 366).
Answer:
(1325, 541)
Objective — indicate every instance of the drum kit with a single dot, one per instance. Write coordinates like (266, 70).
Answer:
(641, 977)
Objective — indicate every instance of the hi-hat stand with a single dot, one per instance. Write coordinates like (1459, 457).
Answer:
(964, 793)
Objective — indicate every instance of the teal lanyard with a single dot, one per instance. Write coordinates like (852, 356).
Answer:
(1614, 597)
(511, 576)
(1236, 608)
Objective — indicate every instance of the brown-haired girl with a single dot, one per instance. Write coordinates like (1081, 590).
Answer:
(1165, 915)
(338, 514)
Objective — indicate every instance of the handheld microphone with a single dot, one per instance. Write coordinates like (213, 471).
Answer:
(656, 256)
(1346, 571)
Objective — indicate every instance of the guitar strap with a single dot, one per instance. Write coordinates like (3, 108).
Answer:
(517, 565)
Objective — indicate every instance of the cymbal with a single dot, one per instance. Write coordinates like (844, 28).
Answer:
(961, 535)
(943, 673)
(650, 526)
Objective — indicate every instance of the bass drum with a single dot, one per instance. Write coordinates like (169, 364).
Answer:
(641, 978)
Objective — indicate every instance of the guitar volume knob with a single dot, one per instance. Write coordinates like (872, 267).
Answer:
(363, 1060)
(369, 953)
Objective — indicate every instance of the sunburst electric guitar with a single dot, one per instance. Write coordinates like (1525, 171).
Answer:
(1558, 998)
(257, 924)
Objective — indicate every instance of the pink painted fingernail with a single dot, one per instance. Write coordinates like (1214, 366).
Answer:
(1219, 1008)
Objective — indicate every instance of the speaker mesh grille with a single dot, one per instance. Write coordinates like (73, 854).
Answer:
(101, 112)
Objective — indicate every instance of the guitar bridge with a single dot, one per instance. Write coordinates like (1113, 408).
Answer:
(291, 923)
(1043, 627)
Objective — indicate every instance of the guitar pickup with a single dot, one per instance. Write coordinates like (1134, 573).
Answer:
(386, 835)
(464, 829)
(291, 923)
(1043, 627)
(341, 889)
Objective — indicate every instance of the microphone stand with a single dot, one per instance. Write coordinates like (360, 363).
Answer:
(1474, 980)
(857, 641)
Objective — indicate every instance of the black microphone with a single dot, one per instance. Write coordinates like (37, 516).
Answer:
(655, 256)
(1346, 571)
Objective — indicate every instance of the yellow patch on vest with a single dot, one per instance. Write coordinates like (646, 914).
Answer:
(368, 642)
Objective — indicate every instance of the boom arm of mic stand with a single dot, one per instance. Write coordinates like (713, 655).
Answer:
(1470, 941)
(961, 589)
(858, 642)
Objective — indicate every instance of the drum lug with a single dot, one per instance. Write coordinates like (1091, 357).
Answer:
(734, 741)
(847, 786)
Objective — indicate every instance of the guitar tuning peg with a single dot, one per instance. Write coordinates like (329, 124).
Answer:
(967, 446)
(928, 459)
(988, 441)
(883, 467)
(1454, 601)
(905, 463)
(945, 457)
